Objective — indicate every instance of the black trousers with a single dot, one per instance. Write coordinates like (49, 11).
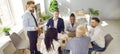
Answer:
(33, 35)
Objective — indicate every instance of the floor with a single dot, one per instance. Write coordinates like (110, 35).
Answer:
(114, 29)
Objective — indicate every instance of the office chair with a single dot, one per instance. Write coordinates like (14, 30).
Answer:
(19, 43)
(108, 39)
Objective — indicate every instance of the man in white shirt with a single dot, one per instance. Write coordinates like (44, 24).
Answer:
(97, 34)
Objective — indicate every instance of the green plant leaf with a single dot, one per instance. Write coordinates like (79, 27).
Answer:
(53, 5)
(96, 12)
(6, 29)
(93, 12)
(46, 16)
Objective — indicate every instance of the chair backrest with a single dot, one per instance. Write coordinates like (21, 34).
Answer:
(108, 39)
(16, 39)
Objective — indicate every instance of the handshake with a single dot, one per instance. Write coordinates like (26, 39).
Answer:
(39, 27)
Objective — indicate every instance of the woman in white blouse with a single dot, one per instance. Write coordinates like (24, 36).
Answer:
(72, 25)
(50, 44)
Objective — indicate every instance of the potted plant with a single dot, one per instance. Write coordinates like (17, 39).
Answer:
(53, 5)
(93, 13)
(45, 16)
(6, 30)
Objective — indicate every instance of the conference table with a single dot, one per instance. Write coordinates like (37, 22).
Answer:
(62, 38)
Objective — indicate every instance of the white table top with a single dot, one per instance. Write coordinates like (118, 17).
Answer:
(4, 41)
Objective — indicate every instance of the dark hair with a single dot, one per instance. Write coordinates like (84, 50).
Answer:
(50, 35)
(56, 11)
(30, 2)
(96, 19)
(72, 15)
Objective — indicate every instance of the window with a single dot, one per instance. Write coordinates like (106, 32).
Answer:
(5, 13)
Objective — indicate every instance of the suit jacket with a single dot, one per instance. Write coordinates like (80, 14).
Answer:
(77, 45)
(60, 24)
(28, 21)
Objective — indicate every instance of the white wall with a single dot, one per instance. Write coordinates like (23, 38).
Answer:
(109, 9)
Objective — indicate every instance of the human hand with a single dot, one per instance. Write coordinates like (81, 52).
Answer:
(41, 23)
(62, 32)
(36, 28)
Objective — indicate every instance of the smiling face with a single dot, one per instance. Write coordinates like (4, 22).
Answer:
(72, 20)
(94, 23)
(56, 14)
(31, 7)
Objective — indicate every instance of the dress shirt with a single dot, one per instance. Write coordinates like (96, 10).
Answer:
(55, 22)
(28, 21)
(97, 34)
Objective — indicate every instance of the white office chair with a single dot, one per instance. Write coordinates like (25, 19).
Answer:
(108, 39)
(19, 43)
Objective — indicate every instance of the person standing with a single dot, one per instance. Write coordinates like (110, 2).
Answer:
(31, 25)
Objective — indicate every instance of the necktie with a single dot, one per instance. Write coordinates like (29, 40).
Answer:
(34, 19)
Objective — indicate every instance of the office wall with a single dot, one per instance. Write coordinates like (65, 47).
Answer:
(109, 9)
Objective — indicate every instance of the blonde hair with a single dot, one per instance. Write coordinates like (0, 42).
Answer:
(80, 30)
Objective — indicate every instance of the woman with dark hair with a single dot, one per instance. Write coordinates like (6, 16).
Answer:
(50, 44)
(71, 26)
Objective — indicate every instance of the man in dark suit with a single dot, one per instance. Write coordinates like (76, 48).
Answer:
(56, 22)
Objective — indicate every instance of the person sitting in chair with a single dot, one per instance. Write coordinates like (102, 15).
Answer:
(50, 44)
(97, 34)
(71, 26)
(56, 22)
(79, 44)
